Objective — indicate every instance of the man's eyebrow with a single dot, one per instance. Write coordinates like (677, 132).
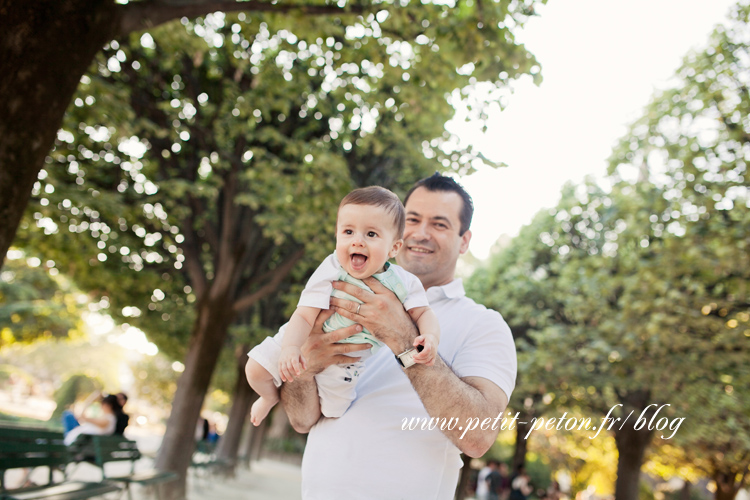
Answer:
(441, 218)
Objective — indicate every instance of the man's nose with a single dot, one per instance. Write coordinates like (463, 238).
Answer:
(419, 232)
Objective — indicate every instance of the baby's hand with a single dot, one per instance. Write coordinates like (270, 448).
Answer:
(291, 363)
(429, 351)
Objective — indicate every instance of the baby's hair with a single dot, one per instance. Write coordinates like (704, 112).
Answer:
(379, 197)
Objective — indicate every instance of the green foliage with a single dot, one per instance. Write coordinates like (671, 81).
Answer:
(36, 302)
(52, 361)
(74, 388)
(155, 380)
(636, 293)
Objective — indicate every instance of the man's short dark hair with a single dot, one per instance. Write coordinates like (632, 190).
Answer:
(439, 182)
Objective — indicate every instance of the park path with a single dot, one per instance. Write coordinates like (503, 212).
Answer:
(266, 480)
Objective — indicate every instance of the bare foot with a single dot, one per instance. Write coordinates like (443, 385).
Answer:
(260, 409)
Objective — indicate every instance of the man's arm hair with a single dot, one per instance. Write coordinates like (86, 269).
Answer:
(301, 402)
(445, 395)
(442, 392)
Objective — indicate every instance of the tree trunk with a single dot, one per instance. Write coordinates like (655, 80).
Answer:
(279, 428)
(519, 454)
(45, 48)
(247, 439)
(206, 341)
(631, 446)
(726, 485)
(256, 441)
(463, 481)
(685, 491)
(229, 444)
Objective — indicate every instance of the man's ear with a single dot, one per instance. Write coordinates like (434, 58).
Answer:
(395, 249)
(465, 239)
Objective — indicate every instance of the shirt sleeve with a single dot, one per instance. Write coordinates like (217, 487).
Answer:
(488, 351)
(317, 292)
(415, 294)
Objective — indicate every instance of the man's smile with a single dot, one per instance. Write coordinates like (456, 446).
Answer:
(419, 249)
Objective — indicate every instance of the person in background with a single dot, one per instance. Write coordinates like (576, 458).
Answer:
(122, 418)
(494, 481)
(520, 487)
(482, 490)
(505, 484)
(81, 424)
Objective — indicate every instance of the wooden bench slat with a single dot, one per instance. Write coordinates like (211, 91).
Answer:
(75, 490)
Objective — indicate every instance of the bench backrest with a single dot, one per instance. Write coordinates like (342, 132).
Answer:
(31, 447)
(104, 449)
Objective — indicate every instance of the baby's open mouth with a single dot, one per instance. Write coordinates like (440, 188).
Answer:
(358, 261)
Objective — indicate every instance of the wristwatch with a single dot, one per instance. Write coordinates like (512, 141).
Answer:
(406, 358)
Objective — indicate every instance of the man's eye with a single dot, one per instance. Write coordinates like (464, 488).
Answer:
(412, 221)
(372, 234)
(441, 226)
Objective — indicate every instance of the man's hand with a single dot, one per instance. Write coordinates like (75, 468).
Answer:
(321, 350)
(380, 312)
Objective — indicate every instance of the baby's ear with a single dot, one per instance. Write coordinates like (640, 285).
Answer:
(396, 247)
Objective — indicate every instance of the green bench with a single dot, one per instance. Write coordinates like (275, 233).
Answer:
(101, 450)
(205, 462)
(22, 447)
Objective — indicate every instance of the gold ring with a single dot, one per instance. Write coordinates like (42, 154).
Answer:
(358, 306)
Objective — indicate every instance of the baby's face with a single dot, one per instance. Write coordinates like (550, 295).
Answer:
(365, 239)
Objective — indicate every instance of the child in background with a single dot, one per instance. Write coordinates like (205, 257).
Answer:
(369, 231)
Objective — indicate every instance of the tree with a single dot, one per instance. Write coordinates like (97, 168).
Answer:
(201, 178)
(37, 302)
(692, 143)
(49, 45)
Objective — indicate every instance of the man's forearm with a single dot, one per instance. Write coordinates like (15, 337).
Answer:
(301, 402)
(444, 395)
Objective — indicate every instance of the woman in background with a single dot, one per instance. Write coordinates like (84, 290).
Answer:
(75, 425)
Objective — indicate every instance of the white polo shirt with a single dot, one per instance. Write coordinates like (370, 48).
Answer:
(365, 454)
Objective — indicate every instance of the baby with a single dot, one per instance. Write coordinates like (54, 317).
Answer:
(369, 231)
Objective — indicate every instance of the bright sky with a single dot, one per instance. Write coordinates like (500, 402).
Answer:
(601, 61)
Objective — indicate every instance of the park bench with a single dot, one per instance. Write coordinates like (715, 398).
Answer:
(205, 463)
(22, 447)
(101, 450)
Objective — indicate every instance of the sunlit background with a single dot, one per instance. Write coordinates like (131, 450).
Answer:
(601, 62)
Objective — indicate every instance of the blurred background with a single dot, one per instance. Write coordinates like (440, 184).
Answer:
(190, 189)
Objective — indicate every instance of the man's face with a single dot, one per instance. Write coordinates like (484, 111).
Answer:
(431, 239)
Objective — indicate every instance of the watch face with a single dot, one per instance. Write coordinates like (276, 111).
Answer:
(406, 359)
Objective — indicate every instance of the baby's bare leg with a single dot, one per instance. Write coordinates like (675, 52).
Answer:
(262, 382)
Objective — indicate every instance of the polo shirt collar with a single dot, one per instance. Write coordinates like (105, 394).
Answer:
(452, 290)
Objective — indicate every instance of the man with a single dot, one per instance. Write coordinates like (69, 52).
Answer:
(122, 418)
(366, 453)
(494, 481)
(482, 492)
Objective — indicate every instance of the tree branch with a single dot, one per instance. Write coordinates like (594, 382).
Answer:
(280, 273)
(138, 16)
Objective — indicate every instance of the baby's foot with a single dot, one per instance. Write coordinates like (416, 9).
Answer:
(260, 410)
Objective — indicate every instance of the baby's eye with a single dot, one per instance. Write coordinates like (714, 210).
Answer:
(372, 234)
(347, 231)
